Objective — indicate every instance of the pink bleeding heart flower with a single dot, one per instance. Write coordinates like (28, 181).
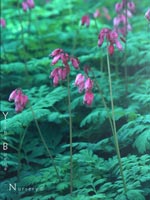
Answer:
(79, 82)
(2, 22)
(118, 7)
(56, 52)
(103, 33)
(62, 73)
(118, 45)
(128, 13)
(113, 36)
(106, 13)
(55, 80)
(13, 95)
(85, 20)
(30, 3)
(24, 6)
(131, 6)
(116, 21)
(65, 72)
(88, 84)
(19, 99)
(64, 57)
(54, 73)
(123, 19)
(111, 49)
(55, 59)
(75, 62)
(147, 14)
(18, 107)
(88, 98)
(96, 14)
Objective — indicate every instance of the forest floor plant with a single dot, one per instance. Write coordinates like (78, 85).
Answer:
(114, 126)
(112, 39)
(60, 74)
(20, 101)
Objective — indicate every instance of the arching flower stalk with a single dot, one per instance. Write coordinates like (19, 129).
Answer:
(112, 39)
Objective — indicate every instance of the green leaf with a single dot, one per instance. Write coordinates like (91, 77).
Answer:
(135, 195)
(142, 142)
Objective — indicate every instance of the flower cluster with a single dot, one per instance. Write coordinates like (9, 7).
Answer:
(112, 38)
(19, 98)
(104, 12)
(61, 72)
(85, 84)
(28, 4)
(147, 14)
(2, 22)
(124, 11)
(85, 20)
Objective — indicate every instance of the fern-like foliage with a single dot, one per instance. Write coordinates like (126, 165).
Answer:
(26, 43)
(92, 177)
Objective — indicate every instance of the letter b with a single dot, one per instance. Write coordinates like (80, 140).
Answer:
(5, 146)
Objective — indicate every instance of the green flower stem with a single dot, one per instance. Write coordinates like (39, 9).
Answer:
(116, 68)
(45, 145)
(70, 135)
(125, 56)
(114, 125)
(125, 69)
(100, 59)
(76, 32)
(20, 20)
(19, 151)
(101, 64)
(29, 22)
(104, 102)
(22, 36)
(38, 35)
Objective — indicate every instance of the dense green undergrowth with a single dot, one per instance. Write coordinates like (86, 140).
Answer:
(26, 42)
